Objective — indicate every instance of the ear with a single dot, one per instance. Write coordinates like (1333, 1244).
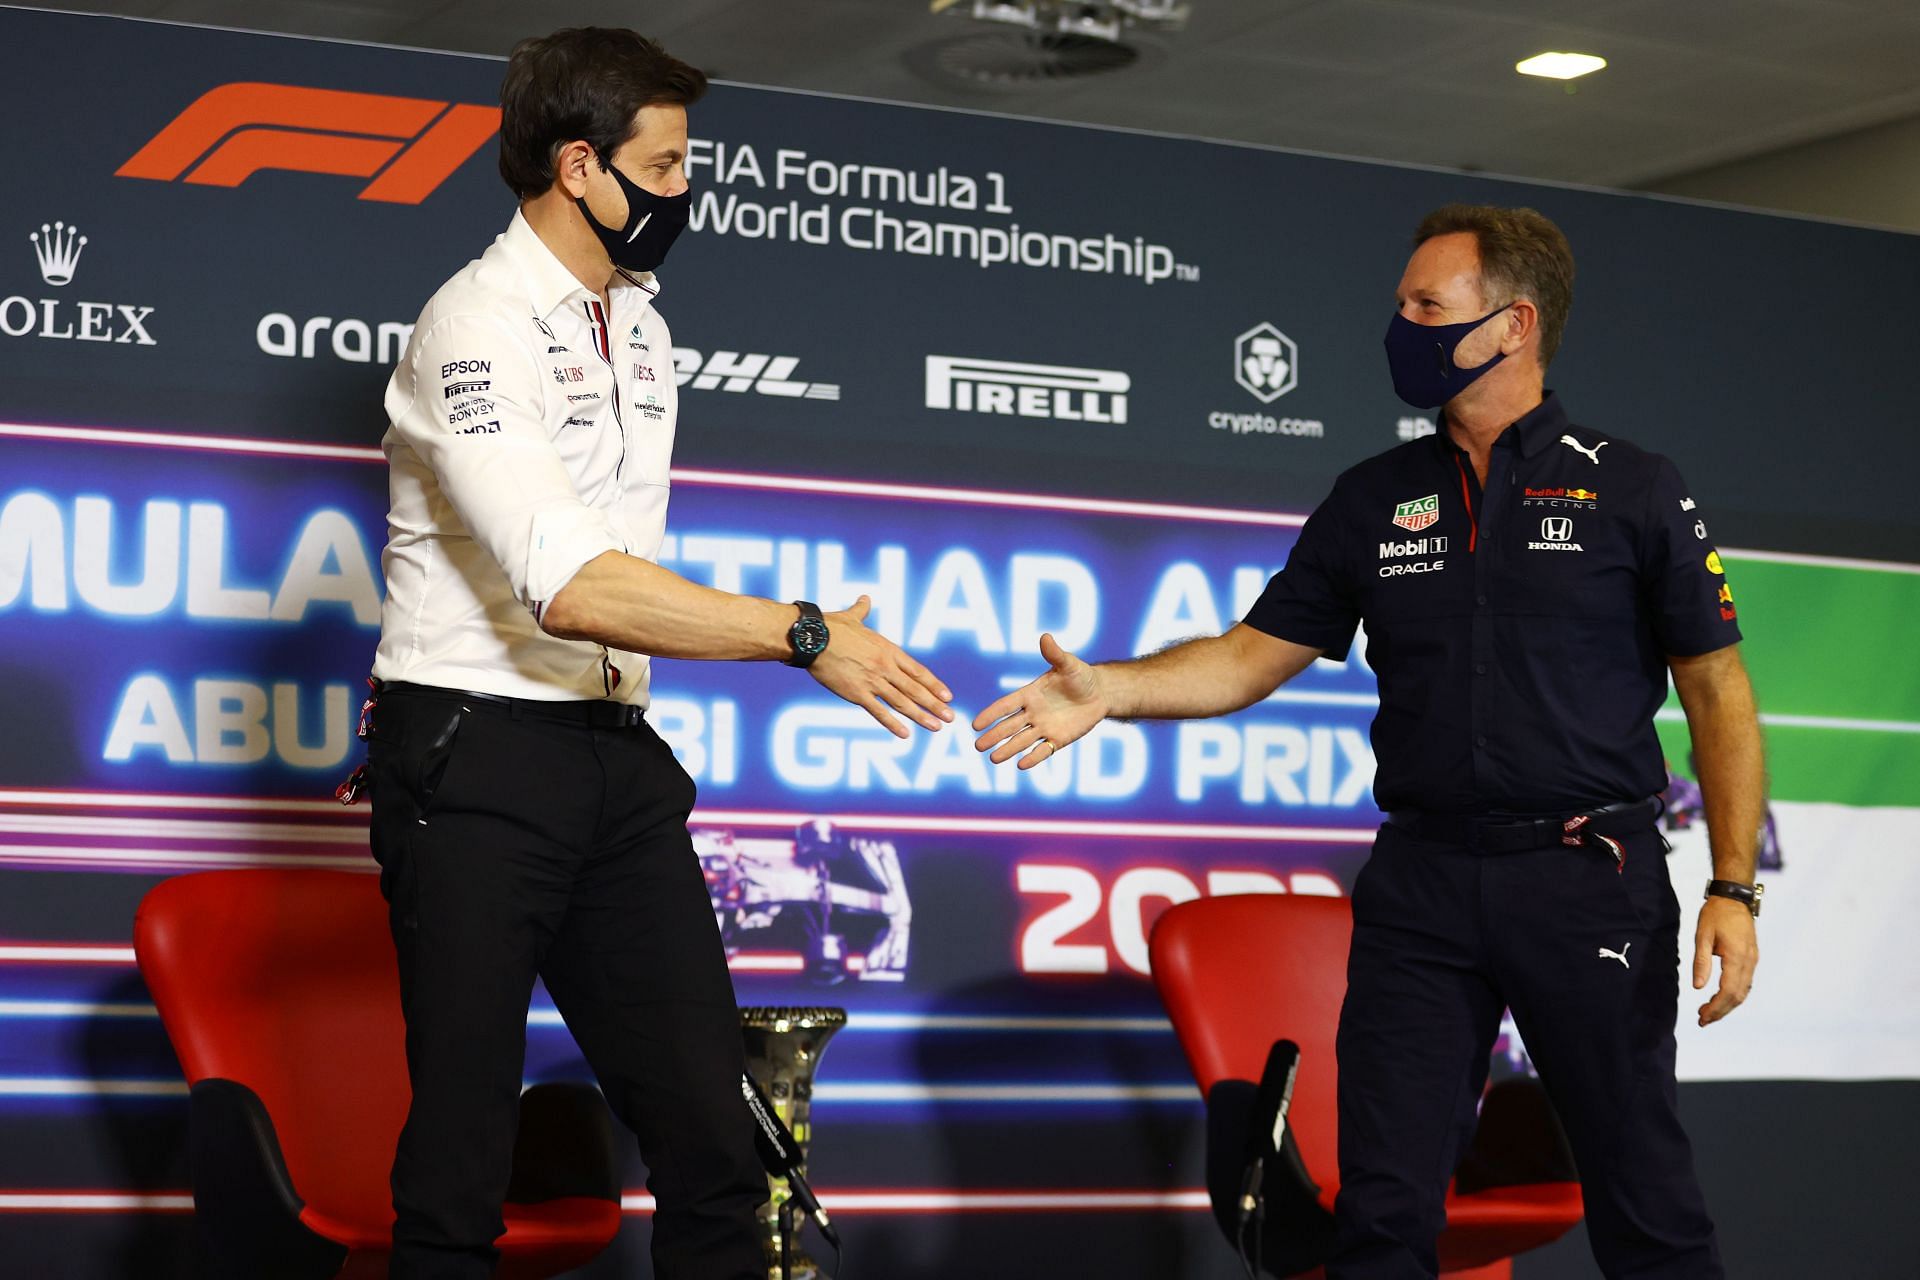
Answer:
(570, 164)
(1523, 323)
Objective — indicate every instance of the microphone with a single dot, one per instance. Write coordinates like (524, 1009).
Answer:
(1267, 1127)
(781, 1155)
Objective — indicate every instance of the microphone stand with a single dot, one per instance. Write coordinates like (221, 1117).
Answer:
(787, 1232)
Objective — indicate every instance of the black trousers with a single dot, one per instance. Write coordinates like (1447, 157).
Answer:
(512, 844)
(1443, 939)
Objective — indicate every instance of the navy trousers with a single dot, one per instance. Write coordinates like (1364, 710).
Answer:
(1585, 951)
(512, 845)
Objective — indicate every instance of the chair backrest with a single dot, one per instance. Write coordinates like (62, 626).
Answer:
(285, 981)
(1237, 973)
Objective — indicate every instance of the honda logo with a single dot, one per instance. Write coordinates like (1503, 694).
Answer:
(1556, 529)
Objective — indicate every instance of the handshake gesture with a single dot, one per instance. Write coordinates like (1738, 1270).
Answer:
(1044, 716)
(1207, 676)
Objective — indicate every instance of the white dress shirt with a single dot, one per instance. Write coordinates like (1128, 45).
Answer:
(531, 432)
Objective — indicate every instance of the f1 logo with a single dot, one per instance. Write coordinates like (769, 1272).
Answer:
(234, 131)
(1556, 529)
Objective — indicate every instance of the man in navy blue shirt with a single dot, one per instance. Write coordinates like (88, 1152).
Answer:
(1527, 585)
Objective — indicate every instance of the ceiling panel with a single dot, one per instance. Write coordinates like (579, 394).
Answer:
(1690, 82)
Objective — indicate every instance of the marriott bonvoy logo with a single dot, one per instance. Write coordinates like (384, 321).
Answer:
(57, 247)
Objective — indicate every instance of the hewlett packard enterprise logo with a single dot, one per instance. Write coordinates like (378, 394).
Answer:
(1059, 392)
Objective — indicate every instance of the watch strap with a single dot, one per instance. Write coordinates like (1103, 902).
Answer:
(1748, 894)
(810, 619)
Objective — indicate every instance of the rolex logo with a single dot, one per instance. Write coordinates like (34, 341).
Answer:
(58, 248)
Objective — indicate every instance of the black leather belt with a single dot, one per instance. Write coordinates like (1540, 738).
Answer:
(1514, 835)
(598, 713)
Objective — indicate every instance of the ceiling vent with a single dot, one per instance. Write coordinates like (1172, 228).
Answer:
(1037, 44)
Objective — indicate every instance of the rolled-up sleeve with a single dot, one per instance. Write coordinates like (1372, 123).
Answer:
(471, 412)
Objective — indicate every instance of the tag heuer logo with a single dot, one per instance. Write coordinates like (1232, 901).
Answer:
(1419, 514)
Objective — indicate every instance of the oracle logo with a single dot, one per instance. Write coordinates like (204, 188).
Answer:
(407, 146)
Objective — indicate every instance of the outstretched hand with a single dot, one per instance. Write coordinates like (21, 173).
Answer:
(874, 673)
(1045, 715)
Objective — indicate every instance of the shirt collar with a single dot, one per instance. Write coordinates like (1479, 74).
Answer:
(1532, 432)
(549, 282)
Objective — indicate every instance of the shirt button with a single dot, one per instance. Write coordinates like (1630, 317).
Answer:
(1480, 600)
(1480, 741)
(1479, 668)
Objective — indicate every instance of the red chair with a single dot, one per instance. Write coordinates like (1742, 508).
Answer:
(1238, 973)
(282, 999)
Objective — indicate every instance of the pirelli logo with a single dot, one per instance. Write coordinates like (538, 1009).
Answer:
(406, 146)
(1064, 393)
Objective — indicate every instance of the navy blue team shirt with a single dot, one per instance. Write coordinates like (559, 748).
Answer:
(1519, 632)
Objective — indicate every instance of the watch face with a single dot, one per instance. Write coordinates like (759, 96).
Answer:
(808, 637)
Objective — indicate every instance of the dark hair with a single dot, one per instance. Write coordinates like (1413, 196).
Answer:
(1522, 255)
(584, 83)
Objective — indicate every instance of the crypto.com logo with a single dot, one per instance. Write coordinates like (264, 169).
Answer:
(234, 131)
(1266, 363)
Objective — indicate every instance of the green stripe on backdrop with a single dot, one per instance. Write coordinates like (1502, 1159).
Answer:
(1833, 642)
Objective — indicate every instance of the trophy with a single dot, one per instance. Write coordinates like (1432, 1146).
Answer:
(783, 1051)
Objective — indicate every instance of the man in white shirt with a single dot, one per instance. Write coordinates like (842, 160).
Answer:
(527, 819)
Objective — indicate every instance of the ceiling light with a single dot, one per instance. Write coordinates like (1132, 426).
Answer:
(1559, 66)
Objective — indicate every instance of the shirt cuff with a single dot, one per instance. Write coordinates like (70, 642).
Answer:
(558, 544)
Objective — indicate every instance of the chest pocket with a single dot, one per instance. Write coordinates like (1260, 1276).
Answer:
(649, 409)
(1568, 559)
(586, 433)
(1411, 574)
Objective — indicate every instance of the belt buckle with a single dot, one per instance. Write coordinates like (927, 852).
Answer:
(1571, 834)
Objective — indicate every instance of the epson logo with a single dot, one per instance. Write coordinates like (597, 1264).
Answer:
(1413, 547)
(357, 341)
(737, 371)
(1062, 393)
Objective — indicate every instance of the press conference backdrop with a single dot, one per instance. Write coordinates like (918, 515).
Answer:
(1004, 377)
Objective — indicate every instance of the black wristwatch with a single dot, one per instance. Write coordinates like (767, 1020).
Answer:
(808, 636)
(1747, 893)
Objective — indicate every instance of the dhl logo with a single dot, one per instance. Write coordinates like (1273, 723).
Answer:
(408, 146)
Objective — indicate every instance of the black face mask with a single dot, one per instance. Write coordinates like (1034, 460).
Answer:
(653, 223)
(1421, 359)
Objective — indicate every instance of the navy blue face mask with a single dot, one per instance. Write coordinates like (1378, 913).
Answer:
(653, 223)
(1421, 358)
